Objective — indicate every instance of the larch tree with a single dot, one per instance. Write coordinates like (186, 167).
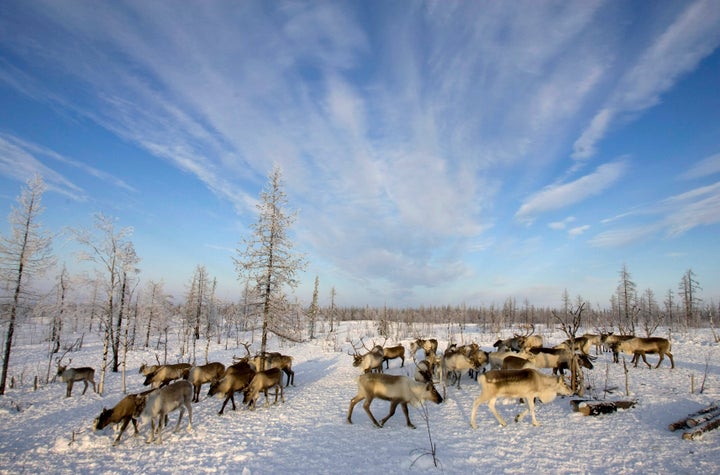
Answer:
(267, 257)
(689, 288)
(26, 253)
(111, 249)
(627, 301)
(314, 310)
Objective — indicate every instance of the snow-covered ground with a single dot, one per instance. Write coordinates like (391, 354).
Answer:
(44, 432)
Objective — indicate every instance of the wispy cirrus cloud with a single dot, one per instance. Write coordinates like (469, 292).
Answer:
(397, 136)
(670, 217)
(562, 195)
(705, 167)
(678, 50)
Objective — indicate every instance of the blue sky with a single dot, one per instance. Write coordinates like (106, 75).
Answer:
(436, 152)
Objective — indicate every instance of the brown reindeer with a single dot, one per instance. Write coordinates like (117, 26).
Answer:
(237, 377)
(392, 352)
(70, 375)
(199, 375)
(525, 383)
(639, 347)
(276, 360)
(262, 381)
(427, 345)
(125, 411)
(396, 389)
(167, 373)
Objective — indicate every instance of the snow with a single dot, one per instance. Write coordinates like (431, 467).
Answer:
(44, 432)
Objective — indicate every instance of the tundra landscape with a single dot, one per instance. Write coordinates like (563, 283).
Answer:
(46, 432)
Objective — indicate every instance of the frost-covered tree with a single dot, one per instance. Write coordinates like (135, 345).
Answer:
(627, 301)
(112, 250)
(267, 257)
(26, 253)
(314, 310)
(689, 290)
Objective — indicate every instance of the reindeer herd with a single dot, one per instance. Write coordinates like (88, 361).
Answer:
(514, 370)
(514, 373)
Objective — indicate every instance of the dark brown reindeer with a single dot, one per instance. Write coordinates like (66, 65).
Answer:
(199, 375)
(167, 373)
(396, 389)
(392, 352)
(237, 377)
(70, 375)
(126, 411)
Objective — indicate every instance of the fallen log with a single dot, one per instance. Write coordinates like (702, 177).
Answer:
(686, 422)
(709, 425)
(594, 408)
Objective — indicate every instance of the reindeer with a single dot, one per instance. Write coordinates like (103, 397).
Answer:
(165, 400)
(582, 343)
(372, 360)
(639, 347)
(428, 346)
(237, 377)
(396, 389)
(276, 360)
(610, 340)
(559, 359)
(496, 358)
(167, 373)
(393, 352)
(423, 372)
(262, 381)
(125, 411)
(70, 375)
(520, 342)
(517, 362)
(456, 360)
(525, 383)
(147, 370)
(199, 375)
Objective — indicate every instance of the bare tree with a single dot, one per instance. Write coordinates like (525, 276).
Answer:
(25, 254)
(113, 252)
(314, 310)
(627, 302)
(267, 257)
(689, 289)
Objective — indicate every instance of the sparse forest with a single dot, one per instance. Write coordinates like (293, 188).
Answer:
(119, 325)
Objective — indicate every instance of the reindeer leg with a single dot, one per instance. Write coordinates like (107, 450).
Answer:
(393, 406)
(122, 429)
(366, 406)
(644, 360)
(491, 405)
(407, 416)
(177, 426)
(672, 362)
(86, 386)
(528, 403)
(189, 409)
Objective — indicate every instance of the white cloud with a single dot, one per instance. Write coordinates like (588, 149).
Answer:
(690, 38)
(560, 225)
(567, 194)
(706, 167)
(577, 231)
